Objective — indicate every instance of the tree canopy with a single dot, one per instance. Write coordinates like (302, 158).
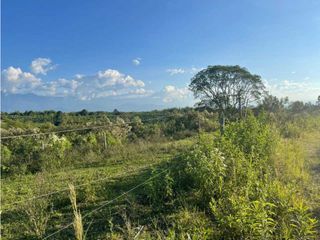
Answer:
(227, 89)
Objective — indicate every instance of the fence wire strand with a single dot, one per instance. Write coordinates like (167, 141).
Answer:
(105, 203)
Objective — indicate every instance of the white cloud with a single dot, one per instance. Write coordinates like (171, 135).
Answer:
(107, 94)
(169, 89)
(136, 61)
(172, 93)
(13, 74)
(286, 84)
(110, 73)
(78, 76)
(174, 71)
(105, 83)
(113, 77)
(303, 91)
(14, 80)
(194, 70)
(41, 66)
(139, 91)
(65, 87)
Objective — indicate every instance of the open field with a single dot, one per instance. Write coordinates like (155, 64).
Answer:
(165, 189)
(97, 182)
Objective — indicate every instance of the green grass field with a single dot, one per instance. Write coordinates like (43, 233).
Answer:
(97, 182)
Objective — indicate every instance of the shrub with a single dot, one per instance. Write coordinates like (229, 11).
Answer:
(160, 190)
(5, 159)
(53, 152)
(234, 177)
(206, 169)
(292, 216)
(252, 136)
(239, 218)
(25, 155)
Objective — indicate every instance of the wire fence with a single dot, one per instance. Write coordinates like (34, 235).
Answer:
(79, 186)
(102, 204)
(106, 203)
(79, 129)
(66, 131)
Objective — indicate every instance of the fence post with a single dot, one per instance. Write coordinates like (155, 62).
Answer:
(104, 140)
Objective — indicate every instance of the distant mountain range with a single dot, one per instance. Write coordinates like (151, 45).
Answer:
(25, 102)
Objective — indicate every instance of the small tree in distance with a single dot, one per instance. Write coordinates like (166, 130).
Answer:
(58, 118)
(227, 89)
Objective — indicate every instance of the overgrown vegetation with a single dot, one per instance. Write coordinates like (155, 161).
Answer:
(234, 179)
(253, 182)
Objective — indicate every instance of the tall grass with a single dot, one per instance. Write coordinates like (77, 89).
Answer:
(77, 219)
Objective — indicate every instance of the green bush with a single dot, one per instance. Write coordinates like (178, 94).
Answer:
(32, 155)
(160, 190)
(238, 217)
(234, 177)
(253, 136)
(5, 159)
(25, 156)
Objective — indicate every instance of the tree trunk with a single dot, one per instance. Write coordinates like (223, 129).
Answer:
(239, 106)
(222, 122)
(104, 140)
(199, 126)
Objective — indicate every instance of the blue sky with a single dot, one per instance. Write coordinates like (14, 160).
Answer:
(141, 54)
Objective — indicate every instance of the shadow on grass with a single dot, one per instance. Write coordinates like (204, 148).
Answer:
(111, 216)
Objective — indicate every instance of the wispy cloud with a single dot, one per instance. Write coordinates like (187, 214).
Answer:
(304, 90)
(194, 70)
(172, 93)
(78, 76)
(136, 61)
(174, 71)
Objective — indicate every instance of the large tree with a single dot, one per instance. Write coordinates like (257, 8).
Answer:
(226, 89)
